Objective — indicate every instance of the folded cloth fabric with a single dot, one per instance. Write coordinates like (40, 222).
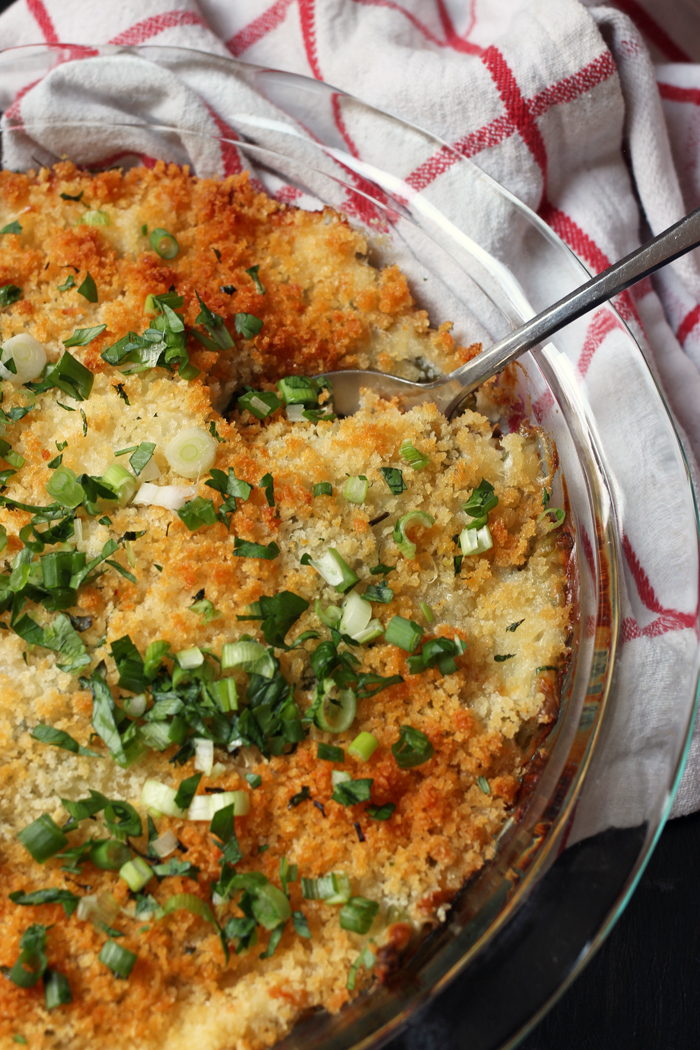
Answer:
(560, 100)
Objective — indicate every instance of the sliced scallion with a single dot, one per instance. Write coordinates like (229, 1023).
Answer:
(117, 959)
(159, 799)
(363, 746)
(95, 217)
(191, 452)
(559, 518)
(404, 633)
(226, 694)
(28, 355)
(475, 541)
(42, 838)
(336, 714)
(356, 614)
(120, 481)
(56, 989)
(333, 888)
(427, 612)
(136, 873)
(356, 489)
(64, 487)
(414, 517)
(109, 854)
(329, 616)
(163, 243)
(334, 570)
(358, 914)
(323, 488)
(414, 458)
(260, 403)
(247, 656)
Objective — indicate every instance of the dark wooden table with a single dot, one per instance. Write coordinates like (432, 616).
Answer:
(642, 989)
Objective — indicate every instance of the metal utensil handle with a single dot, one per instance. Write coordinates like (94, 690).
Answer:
(669, 245)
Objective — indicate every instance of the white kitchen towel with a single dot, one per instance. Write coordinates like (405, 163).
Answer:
(557, 99)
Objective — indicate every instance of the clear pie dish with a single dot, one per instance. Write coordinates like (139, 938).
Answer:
(593, 805)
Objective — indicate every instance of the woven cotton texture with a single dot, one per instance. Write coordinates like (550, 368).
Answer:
(540, 93)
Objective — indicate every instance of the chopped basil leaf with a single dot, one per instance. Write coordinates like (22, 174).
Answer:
(330, 753)
(254, 779)
(215, 433)
(381, 569)
(378, 593)
(12, 227)
(394, 479)
(70, 901)
(55, 462)
(83, 336)
(245, 549)
(198, 512)
(48, 735)
(438, 652)
(247, 325)
(88, 289)
(253, 272)
(501, 658)
(380, 812)
(514, 626)
(278, 614)
(9, 294)
(546, 667)
(301, 796)
(103, 714)
(350, 792)
(68, 283)
(142, 456)
(219, 337)
(68, 197)
(300, 924)
(217, 253)
(267, 484)
(412, 748)
(122, 393)
(187, 791)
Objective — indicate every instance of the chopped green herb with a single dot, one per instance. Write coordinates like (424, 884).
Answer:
(379, 592)
(254, 779)
(227, 289)
(278, 614)
(122, 393)
(59, 738)
(358, 914)
(218, 337)
(206, 610)
(484, 785)
(247, 325)
(412, 748)
(502, 657)
(267, 484)
(70, 901)
(300, 924)
(9, 294)
(330, 753)
(514, 626)
(253, 272)
(85, 422)
(260, 403)
(68, 197)
(118, 959)
(414, 458)
(12, 227)
(394, 479)
(323, 488)
(142, 455)
(83, 336)
(350, 792)
(215, 433)
(245, 549)
(380, 812)
(301, 796)
(546, 667)
(88, 289)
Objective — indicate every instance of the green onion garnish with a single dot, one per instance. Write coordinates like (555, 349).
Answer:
(109, 854)
(323, 488)
(164, 243)
(412, 748)
(334, 570)
(301, 925)
(119, 960)
(298, 390)
(260, 403)
(120, 481)
(475, 541)
(83, 336)
(56, 989)
(482, 500)
(88, 289)
(94, 218)
(363, 746)
(367, 959)
(502, 657)
(336, 714)
(417, 517)
(358, 914)
(394, 479)
(559, 517)
(247, 325)
(246, 549)
(414, 458)
(356, 489)
(333, 888)
(330, 753)
(42, 838)
(330, 616)
(404, 633)
(379, 592)
(141, 456)
(9, 294)
(356, 615)
(484, 785)
(136, 873)
(248, 656)
(427, 612)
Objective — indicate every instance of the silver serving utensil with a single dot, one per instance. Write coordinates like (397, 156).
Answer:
(449, 392)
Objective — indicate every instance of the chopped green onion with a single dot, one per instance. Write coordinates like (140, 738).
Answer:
(333, 888)
(136, 873)
(502, 657)
(260, 403)
(412, 748)
(484, 785)
(164, 243)
(255, 780)
(330, 753)
(356, 489)
(247, 549)
(394, 479)
(356, 614)
(134, 705)
(142, 455)
(559, 517)
(226, 694)
(414, 458)
(159, 799)
(427, 612)
(109, 854)
(380, 592)
(117, 959)
(120, 481)
(56, 989)
(337, 714)
(70, 901)
(373, 630)
(349, 793)
(59, 738)
(323, 488)
(28, 355)
(358, 914)
(191, 452)
(298, 390)
(475, 541)
(188, 659)
(546, 667)
(418, 517)
(253, 272)
(363, 746)
(88, 289)
(197, 512)
(367, 959)
(204, 755)
(334, 570)
(247, 656)
(329, 616)
(94, 218)
(42, 838)
(404, 633)
(64, 487)
(339, 776)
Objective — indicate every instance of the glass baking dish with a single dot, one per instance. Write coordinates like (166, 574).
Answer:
(600, 787)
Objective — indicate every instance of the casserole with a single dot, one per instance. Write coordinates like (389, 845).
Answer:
(608, 733)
